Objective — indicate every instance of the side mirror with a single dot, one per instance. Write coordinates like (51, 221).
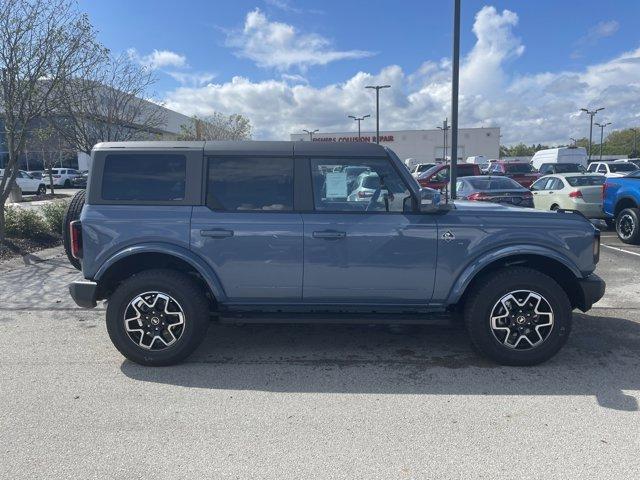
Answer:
(430, 200)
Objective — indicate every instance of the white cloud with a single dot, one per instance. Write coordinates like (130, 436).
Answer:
(542, 107)
(279, 45)
(192, 79)
(597, 32)
(158, 59)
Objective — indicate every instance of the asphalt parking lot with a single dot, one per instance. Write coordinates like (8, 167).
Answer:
(314, 402)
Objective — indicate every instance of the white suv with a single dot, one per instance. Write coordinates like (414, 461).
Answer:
(63, 176)
(27, 183)
(611, 169)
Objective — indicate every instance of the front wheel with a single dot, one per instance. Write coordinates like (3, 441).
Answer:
(518, 316)
(42, 189)
(157, 317)
(628, 225)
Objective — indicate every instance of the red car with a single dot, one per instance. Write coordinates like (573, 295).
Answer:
(521, 172)
(438, 177)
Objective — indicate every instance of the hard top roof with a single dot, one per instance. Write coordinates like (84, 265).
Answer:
(251, 147)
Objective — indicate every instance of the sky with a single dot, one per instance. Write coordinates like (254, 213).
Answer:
(527, 66)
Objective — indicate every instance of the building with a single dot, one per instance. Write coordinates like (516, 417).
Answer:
(423, 146)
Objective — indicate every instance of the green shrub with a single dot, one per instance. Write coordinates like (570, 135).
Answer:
(54, 214)
(24, 223)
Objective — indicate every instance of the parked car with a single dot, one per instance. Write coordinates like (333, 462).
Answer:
(81, 180)
(260, 241)
(612, 169)
(553, 168)
(437, 177)
(421, 167)
(521, 172)
(622, 206)
(27, 183)
(370, 184)
(560, 155)
(634, 161)
(494, 189)
(63, 177)
(570, 191)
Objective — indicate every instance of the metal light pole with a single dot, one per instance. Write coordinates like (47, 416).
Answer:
(635, 131)
(591, 113)
(377, 89)
(455, 80)
(358, 119)
(311, 132)
(602, 125)
(444, 129)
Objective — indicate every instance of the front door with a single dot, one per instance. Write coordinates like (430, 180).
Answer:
(360, 246)
(249, 232)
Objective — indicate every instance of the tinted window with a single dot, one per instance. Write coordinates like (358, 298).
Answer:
(494, 183)
(585, 181)
(518, 168)
(555, 184)
(144, 177)
(250, 184)
(382, 190)
(466, 170)
(568, 168)
(622, 167)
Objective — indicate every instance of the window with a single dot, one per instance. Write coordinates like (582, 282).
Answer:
(495, 183)
(250, 184)
(555, 184)
(144, 177)
(622, 167)
(585, 181)
(371, 185)
(518, 168)
(592, 167)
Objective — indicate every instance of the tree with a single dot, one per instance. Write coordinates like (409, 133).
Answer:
(45, 140)
(43, 44)
(217, 127)
(106, 104)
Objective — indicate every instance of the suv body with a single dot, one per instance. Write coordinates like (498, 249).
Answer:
(437, 177)
(521, 172)
(27, 183)
(63, 177)
(612, 169)
(266, 232)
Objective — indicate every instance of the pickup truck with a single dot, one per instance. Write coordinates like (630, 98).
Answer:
(621, 202)
(175, 235)
(521, 172)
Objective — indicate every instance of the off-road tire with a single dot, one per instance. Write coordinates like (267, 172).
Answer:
(179, 286)
(492, 287)
(72, 213)
(632, 215)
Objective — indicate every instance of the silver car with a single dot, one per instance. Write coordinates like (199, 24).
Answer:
(570, 191)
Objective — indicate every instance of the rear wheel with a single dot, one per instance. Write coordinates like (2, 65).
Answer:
(42, 189)
(628, 225)
(157, 317)
(518, 316)
(554, 207)
(67, 183)
(72, 213)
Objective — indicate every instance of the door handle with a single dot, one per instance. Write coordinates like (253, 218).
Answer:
(217, 233)
(329, 234)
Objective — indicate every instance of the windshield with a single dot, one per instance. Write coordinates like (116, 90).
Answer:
(622, 167)
(585, 181)
(494, 183)
(517, 168)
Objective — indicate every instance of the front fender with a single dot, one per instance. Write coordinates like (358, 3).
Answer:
(181, 253)
(478, 264)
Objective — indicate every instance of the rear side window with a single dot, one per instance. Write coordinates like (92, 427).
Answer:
(586, 180)
(144, 177)
(250, 184)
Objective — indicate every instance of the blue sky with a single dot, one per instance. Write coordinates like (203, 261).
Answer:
(291, 64)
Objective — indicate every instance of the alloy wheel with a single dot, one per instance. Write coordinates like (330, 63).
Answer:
(626, 226)
(154, 320)
(521, 319)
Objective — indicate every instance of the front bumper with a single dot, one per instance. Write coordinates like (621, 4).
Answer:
(84, 293)
(591, 289)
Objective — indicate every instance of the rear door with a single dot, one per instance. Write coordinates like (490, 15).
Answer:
(367, 250)
(248, 230)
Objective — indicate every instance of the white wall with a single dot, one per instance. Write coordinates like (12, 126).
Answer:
(423, 145)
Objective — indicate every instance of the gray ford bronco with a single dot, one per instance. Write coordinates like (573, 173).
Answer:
(174, 235)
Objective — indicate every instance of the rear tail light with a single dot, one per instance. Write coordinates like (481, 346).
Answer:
(75, 235)
(478, 196)
(362, 194)
(575, 194)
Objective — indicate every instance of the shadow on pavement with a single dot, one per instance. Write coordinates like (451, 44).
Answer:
(602, 358)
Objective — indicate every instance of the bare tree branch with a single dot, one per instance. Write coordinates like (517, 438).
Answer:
(217, 127)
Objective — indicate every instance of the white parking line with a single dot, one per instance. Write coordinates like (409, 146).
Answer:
(621, 250)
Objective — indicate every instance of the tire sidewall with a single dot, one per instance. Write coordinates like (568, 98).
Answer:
(479, 325)
(634, 238)
(182, 292)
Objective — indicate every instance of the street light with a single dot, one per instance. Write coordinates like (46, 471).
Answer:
(602, 125)
(311, 132)
(591, 113)
(358, 119)
(444, 129)
(377, 89)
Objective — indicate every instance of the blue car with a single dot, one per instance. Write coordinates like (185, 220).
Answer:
(621, 203)
(176, 235)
